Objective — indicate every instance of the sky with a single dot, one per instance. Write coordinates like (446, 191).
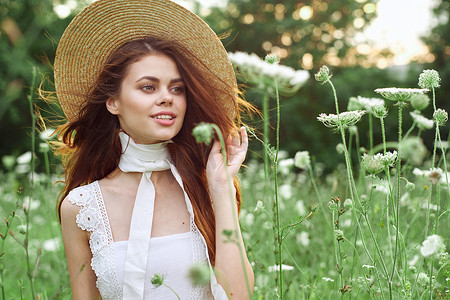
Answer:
(398, 26)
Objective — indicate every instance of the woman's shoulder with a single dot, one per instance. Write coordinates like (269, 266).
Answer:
(80, 204)
(82, 195)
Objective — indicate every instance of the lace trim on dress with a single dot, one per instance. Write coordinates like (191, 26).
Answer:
(93, 218)
(199, 256)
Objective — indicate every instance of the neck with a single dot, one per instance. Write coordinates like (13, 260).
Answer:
(143, 158)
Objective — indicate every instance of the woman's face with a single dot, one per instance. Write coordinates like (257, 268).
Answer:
(152, 100)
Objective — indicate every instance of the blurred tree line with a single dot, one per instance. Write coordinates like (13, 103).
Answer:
(305, 34)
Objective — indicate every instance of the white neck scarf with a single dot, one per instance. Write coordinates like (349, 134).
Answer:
(145, 159)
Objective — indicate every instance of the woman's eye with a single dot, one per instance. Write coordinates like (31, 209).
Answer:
(148, 88)
(178, 90)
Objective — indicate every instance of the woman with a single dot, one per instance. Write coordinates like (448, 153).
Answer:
(142, 199)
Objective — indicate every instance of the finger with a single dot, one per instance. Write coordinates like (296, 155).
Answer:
(244, 136)
(236, 139)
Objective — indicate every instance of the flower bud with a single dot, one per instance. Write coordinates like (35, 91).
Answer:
(440, 116)
(323, 75)
(410, 186)
(199, 274)
(44, 147)
(272, 59)
(420, 101)
(339, 235)
(203, 133)
(371, 164)
(379, 111)
(429, 79)
(158, 279)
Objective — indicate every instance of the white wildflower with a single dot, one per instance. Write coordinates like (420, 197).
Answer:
(51, 245)
(22, 169)
(421, 121)
(282, 154)
(340, 148)
(249, 219)
(381, 188)
(285, 191)
(399, 94)
(430, 206)
(423, 279)
(46, 134)
(348, 203)
(377, 163)
(368, 267)
(443, 145)
(327, 279)
(347, 223)
(434, 175)
(300, 206)
(364, 103)
(413, 260)
(432, 246)
(276, 268)
(264, 73)
(413, 150)
(371, 164)
(429, 79)
(345, 119)
(24, 158)
(302, 160)
(259, 205)
(303, 238)
(285, 166)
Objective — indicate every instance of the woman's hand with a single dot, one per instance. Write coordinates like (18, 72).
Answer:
(215, 168)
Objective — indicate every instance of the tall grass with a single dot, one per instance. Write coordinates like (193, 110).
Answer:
(375, 227)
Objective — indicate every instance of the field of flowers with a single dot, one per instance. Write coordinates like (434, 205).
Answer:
(376, 227)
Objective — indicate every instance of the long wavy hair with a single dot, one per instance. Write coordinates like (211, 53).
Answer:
(91, 147)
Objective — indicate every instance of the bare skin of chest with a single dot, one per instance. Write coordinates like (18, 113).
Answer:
(170, 214)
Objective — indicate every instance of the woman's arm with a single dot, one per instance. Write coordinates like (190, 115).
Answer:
(229, 269)
(78, 254)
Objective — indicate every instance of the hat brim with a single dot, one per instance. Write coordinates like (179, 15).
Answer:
(105, 25)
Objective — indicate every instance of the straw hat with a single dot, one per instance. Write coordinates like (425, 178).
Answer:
(105, 25)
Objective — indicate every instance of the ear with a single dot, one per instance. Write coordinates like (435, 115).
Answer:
(111, 106)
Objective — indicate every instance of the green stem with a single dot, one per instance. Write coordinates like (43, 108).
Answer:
(47, 165)
(32, 163)
(370, 132)
(337, 256)
(316, 191)
(354, 192)
(397, 206)
(266, 122)
(444, 158)
(383, 134)
(277, 204)
(410, 130)
(176, 294)
(234, 213)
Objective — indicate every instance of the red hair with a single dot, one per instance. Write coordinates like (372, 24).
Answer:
(91, 147)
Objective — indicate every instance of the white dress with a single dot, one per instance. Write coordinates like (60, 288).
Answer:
(171, 256)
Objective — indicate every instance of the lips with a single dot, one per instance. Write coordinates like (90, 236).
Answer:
(164, 115)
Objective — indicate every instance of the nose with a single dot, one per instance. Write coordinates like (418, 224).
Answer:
(165, 99)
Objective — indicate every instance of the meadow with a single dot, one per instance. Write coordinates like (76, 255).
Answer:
(374, 227)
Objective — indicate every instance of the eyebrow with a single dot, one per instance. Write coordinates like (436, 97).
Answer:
(151, 78)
